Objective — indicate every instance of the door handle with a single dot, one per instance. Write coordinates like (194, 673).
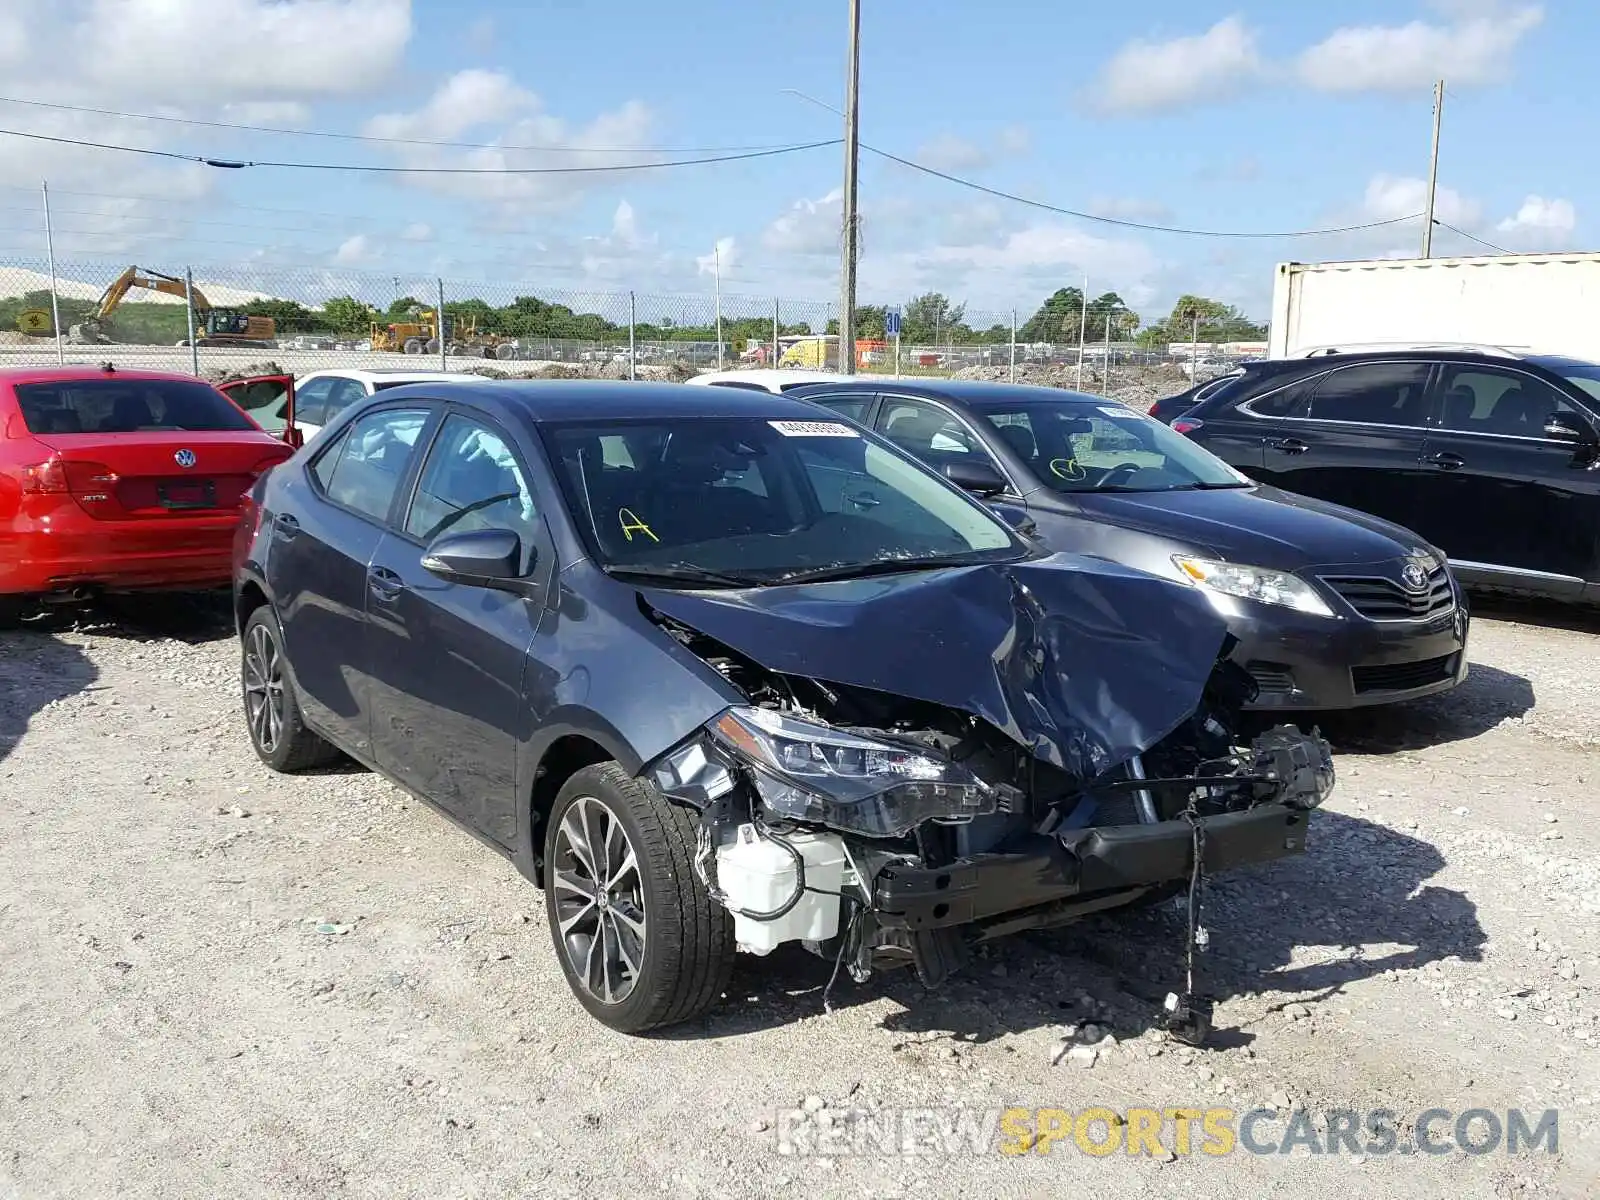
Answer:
(285, 526)
(865, 500)
(384, 584)
(1446, 462)
(1288, 445)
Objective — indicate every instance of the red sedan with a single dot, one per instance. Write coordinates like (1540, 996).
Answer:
(116, 480)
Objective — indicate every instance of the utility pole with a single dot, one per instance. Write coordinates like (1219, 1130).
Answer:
(1083, 329)
(188, 302)
(1433, 171)
(716, 260)
(852, 156)
(50, 249)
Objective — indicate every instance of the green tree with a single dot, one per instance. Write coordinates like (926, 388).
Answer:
(347, 316)
(931, 318)
(1057, 320)
(1199, 318)
(290, 316)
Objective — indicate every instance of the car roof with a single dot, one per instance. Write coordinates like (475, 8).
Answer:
(768, 377)
(395, 374)
(976, 392)
(44, 374)
(607, 399)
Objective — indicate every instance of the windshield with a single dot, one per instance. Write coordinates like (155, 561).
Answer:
(751, 500)
(1585, 375)
(127, 406)
(1078, 447)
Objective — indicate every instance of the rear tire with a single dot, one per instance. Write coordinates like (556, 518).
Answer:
(413, 346)
(665, 948)
(271, 708)
(12, 610)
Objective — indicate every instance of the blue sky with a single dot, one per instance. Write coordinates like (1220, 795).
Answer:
(1245, 116)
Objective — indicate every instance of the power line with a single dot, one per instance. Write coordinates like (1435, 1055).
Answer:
(1126, 224)
(239, 164)
(1472, 237)
(1088, 216)
(391, 141)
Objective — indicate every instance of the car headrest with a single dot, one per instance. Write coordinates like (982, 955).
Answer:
(1020, 439)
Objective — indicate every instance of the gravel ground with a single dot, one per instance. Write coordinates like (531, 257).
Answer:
(215, 981)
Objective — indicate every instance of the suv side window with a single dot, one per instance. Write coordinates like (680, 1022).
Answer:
(311, 401)
(1379, 393)
(370, 459)
(1480, 399)
(1289, 400)
(471, 481)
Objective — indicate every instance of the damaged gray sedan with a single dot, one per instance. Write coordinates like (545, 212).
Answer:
(721, 672)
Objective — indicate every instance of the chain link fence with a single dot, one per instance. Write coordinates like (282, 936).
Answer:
(221, 320)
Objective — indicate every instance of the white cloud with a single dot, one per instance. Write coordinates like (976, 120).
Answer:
(1150, 76)
(13, 37)
(1389, 197)
(417, 231)
(624, 224)
(474, 101)
(354, 250)
(951, 152)
(1474, 48)
(187, 50)
(724, 259)
(266, 112)
(809, 227)
(1541, 220)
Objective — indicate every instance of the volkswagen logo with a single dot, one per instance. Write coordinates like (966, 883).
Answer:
(1414, 577)
(184, 458)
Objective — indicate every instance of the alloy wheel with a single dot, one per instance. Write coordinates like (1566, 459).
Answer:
(599, 900)
(263, 688)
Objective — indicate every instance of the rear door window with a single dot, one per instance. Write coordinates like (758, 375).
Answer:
(370, 460)
(1386, 393)
(854, 407)
(102, 406)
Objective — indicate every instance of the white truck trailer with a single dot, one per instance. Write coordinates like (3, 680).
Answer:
(1524, 303)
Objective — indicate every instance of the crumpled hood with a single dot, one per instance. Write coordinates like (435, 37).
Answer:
(1086, 662)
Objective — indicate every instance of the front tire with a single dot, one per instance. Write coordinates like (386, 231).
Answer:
(640, 940)
(271, 709)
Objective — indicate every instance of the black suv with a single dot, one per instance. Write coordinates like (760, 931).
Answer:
(1493, 458)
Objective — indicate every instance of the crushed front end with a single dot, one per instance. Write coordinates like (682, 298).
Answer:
(881, 830)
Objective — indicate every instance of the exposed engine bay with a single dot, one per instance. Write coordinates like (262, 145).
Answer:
(880, 830)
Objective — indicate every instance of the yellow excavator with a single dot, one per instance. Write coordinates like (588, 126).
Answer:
(213, 326)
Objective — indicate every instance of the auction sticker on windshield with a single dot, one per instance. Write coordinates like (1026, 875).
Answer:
(813, 429)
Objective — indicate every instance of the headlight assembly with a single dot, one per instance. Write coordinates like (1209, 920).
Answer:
(808, 772)
(1253, 583)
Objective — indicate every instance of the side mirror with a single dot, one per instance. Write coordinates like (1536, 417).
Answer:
(486, 558)
(976, 476)
(1567, 428)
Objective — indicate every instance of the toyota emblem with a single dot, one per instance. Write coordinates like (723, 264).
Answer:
(1414, 577)
(184, 458)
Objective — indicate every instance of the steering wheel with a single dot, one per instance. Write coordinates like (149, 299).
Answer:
(1119, 474)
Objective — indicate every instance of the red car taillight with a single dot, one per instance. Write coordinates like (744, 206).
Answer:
(266, 464)
(1184, 425)
(62, 477)
(1153, 407)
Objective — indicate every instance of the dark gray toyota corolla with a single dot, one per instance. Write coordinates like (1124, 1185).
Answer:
(720, 671)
